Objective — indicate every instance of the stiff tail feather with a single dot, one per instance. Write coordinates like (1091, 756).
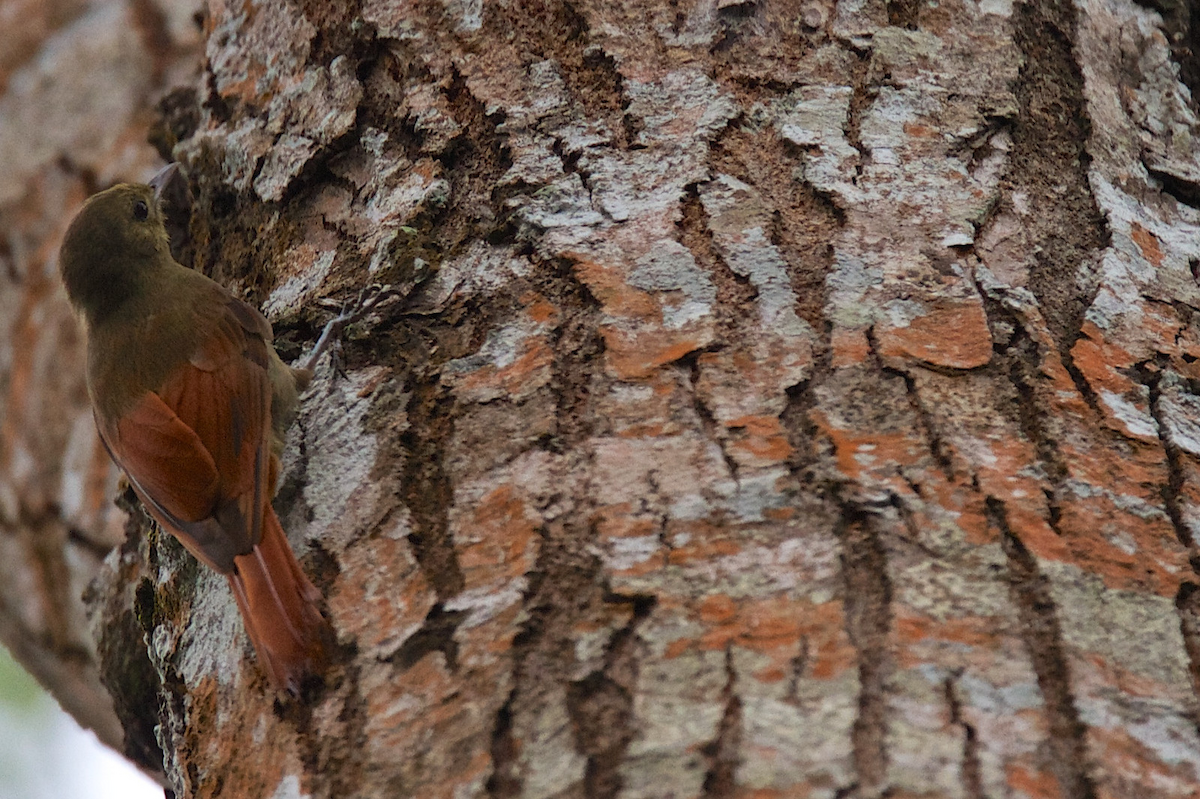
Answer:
(279, 609)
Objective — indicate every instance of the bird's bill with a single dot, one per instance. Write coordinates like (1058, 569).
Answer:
(163, 179)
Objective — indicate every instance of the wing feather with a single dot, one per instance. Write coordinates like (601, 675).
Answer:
(197, 449)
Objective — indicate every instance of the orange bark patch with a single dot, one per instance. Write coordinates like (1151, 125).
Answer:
(1124, 549)
(246, 89)
(776, 627)
(1001, 471)
(380, 596)
(850, 346)
(719, 609)
(1098, 360)
(1187, 343)
(763, 438)
(975, 631)
(1162, 326)
(953, 334)
(1139, 473)
(1123, 680)
(1035, 784)
(1145, 771)
(699, 550)
(396, 722)
(858, 453)
(635, 356)
(700, 540)
(619, 521)
(966, 506)
(630, 537)
(608, 286)
(486, 645)
(530, 369)
(500, 542)
(539, 309)
(516, 362)
(221, 766)
(1036, 534)
(1147, 242)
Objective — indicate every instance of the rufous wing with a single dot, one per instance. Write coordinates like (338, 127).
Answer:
(197, 454)
(196, 451)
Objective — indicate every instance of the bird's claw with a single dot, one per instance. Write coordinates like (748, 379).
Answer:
(372, 298)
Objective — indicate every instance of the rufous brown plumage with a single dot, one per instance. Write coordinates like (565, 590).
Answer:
(192, 401)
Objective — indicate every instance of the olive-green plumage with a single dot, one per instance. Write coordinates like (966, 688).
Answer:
(137, 300)
(192, 401)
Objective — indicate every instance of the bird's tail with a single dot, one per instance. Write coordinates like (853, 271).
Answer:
(279, 609)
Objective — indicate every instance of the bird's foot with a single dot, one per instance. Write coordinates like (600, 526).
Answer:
(371, 299)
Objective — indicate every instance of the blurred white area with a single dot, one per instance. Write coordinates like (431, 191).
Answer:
(44, 754)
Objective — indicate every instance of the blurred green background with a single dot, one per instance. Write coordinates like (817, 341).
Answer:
(46, 755)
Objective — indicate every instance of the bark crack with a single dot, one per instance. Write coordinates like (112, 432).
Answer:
(505, 781)
(904, 13)
(1181, 27)
(864, 92)
(723, 752)
(558, 31)
(1184, 190)
(475, 161)
(1187, 598)
(436, 634)
(338, 759)
(1049, 163)
(735, 293)
(426, 489)
(565, 585)
(578, 347)
(601, 705)
(933, 438)
(868, 608)
(1018, 355)
(971, 769)
(1187, 602)
(713, 430)
(1066, 745)
(1173, 490)
(804, 221)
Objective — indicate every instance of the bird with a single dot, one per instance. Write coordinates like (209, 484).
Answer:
(192, 402)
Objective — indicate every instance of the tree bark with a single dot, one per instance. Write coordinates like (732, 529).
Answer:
(773, 398)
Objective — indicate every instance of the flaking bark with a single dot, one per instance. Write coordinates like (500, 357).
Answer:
(775, 399)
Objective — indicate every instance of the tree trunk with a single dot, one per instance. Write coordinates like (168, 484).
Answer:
(772, 399)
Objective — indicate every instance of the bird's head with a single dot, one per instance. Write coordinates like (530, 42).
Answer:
(114, 240)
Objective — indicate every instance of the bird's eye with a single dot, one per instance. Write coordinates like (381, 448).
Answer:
(141, 211)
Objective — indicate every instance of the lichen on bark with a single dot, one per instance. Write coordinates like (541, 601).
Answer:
(774, 398)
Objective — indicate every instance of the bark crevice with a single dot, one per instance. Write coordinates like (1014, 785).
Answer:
(724, 752)
(426, 488)
(1187, 598)
(1066, 746)
(1049, 165)
(971, 769)
(868, 598)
